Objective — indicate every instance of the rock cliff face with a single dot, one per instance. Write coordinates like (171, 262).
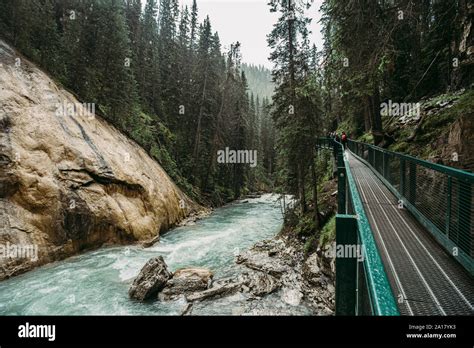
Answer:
(70, 181)
(458, 142)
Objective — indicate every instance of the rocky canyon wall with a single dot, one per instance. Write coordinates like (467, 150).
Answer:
(69, 181)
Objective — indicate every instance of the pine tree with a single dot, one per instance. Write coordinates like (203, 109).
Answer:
(194, 23)
(112, 61)
(148, 74)
(133, 9)
(202, 75)
(286, 40)
(168, 58)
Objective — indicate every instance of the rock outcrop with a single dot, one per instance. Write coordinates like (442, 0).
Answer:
(151, 279)
(70, 181)
(286, 269)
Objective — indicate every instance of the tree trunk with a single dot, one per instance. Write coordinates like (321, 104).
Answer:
(375, 117)
(315, 193)
(367, 116)
(302, 189)
(215, 136)
(198, 128)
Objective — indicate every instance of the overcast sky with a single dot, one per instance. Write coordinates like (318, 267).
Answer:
(249, 21)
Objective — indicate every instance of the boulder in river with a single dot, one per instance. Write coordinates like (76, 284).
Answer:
(151, 279)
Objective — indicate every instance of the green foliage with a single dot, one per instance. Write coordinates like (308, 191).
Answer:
(349, 126)
(310, 245)
(305, 227)
(328, 233)
(366, 138)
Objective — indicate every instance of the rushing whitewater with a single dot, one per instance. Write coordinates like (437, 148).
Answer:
(97, 282)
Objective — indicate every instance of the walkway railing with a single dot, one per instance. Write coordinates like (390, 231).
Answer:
(362, 286)
(440, 197)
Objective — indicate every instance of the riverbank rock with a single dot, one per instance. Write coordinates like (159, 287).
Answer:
(311, 268)
(254, 283)
(261, 258)
(260, 283)
(185, 281)
(150, 242)
(220, 288)
(151, 279)
(326, 260)
(70, 181)
(289, 274)
(195, 216)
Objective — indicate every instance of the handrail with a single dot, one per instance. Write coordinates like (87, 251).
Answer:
(459, 173)
(382, 300)
(438, 196)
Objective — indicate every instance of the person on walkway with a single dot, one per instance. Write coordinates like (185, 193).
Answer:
(344, 140)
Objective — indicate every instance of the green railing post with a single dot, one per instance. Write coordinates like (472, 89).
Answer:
(374, 161)
(340, 156)
(402, 176)
(412, 183)
(386, 165)
(448, 208)
(464, 217)
(341, 190)
(346, 267)
(341, 179)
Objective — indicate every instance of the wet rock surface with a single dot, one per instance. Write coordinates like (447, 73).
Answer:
(195, 216)
(223, 287)
(186, 281)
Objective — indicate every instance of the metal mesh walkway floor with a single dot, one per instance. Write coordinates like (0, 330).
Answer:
(424, 278)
